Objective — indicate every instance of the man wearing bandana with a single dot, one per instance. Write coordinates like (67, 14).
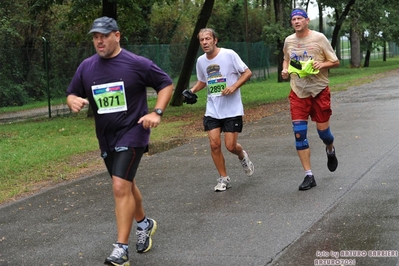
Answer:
(307, 57)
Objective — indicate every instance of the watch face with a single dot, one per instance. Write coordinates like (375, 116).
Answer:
(158, 111)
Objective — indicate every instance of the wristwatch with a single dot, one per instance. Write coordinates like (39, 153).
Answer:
(158, 111)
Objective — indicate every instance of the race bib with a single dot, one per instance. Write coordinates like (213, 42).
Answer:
(216, 86)
(110, 97)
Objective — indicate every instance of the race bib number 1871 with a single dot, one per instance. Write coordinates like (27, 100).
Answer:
(110, 97)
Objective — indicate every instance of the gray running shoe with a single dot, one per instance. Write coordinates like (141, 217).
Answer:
(118, 257)
(223, 184)
(144, 241)
(247, 165)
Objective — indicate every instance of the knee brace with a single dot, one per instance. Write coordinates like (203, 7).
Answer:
(300, 131)
(326, 136)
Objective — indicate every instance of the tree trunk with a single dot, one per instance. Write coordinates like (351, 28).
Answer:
(384, 55)
(321, 26)
(338, 50)
(109, 9)
(338, 24)
(355, 49)
(191, 55)
(279, 16)
(280, 59)
(367, 59)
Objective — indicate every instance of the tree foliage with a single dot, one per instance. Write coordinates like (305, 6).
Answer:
(62, 25)
(375, 28)
(370, 31)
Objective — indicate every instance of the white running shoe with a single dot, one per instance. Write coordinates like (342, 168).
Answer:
(119, 256)
(247, 165)
(223, 184)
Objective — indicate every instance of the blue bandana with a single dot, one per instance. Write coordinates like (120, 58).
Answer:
(298, 12)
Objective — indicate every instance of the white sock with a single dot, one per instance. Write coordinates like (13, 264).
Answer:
(308, 172)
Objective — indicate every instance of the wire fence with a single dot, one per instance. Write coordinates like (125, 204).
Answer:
(43, 74)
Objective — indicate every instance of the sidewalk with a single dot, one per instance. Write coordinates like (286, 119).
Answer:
(261, 220)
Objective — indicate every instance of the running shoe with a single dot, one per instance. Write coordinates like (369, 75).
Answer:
(247, 165)
(308, 183)
(332, 161)
(118, 257)
(144, 241)
(223, 184)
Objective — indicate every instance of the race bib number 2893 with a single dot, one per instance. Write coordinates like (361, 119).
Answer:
(216, 86)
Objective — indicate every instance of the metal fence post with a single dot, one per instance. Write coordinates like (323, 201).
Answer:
(157, 51)
(47, 75)
(341, 46)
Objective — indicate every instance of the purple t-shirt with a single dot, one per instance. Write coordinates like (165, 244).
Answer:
(127, 75)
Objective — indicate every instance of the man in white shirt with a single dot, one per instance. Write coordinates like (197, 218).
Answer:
(222, 72)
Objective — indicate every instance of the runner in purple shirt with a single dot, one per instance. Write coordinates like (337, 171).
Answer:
(114, 82)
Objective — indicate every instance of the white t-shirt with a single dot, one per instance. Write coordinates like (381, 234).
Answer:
(218, 73)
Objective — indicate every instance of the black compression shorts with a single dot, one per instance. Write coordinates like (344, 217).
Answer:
(124, 164)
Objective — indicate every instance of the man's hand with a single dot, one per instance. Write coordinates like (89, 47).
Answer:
(189, 97)
(284, 74)
(76, 103)
(150, 120)
(228, 90)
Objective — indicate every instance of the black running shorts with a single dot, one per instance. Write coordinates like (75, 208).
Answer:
(230, 124)
(124, 164)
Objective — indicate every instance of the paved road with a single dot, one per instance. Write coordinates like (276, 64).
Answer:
(261, 220)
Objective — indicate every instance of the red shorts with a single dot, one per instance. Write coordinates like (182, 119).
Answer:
(318, 108)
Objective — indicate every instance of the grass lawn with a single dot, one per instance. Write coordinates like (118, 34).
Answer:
(40, 153)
